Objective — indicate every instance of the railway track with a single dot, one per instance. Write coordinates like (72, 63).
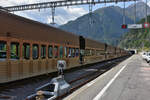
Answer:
(91, 72)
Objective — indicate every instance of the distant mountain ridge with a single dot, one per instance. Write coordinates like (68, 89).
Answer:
(140, 11)
(105, 23)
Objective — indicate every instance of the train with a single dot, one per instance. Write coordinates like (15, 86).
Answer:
(29, 48)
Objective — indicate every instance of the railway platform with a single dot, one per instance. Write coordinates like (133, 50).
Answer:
(74, 77)
(130, 80)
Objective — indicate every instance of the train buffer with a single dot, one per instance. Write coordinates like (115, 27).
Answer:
(130, 80)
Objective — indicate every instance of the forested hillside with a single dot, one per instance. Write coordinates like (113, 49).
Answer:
(139, 38)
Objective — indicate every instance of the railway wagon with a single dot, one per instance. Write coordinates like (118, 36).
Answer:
(29, 48)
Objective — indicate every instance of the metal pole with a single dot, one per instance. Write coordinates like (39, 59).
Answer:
(146, 12)
(124, 20)
(90, 12)
(53, 14)
(135, 13)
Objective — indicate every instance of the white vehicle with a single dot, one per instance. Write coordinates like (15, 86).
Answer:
(50, 91)
(57, 87)
(148, 57)
(144, 55)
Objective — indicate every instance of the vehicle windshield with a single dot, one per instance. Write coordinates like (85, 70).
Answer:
(49, 88)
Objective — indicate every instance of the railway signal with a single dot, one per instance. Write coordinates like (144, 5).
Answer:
(146, 25)
(124, 26)
(132, 26)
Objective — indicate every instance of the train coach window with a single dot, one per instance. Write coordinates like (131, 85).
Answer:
(90, 52)
(66, 49)
(97, 52)
(87, 52)
(3, 49)
(93, 52)
(77, 53)
(26, 51)
(43, 51)
(50, 52)
(115, 51)
(14, 50)
(56, 51)
(61, 51)
(70, 52)
(102, 52)
(35, 51)
(73, 52)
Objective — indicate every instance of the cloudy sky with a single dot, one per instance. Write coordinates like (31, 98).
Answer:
(63, 14)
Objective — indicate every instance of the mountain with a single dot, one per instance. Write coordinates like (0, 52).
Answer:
(136, 38)
(104, 24)
(140, 11)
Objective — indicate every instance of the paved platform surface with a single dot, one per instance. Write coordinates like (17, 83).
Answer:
(130, 80)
